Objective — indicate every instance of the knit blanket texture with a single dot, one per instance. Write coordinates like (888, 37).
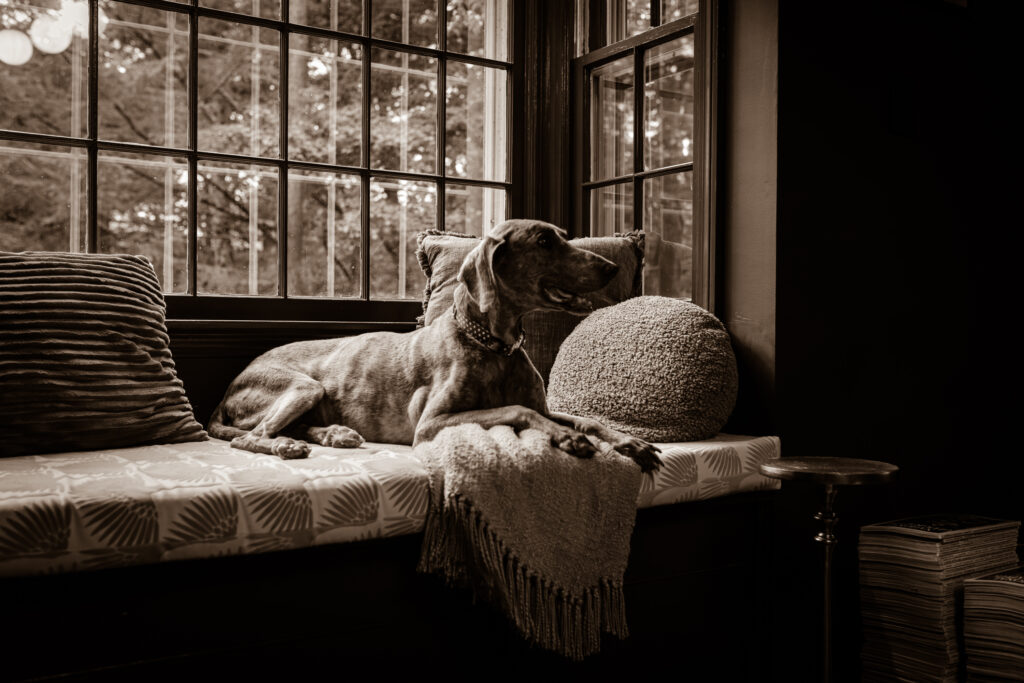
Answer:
(542, 535)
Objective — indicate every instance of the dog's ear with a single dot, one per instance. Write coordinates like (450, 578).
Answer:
(477, 273)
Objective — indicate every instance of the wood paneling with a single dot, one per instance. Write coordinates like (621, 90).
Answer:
(541, 112)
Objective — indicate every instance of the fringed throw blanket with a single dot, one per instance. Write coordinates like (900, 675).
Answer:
(540, 533)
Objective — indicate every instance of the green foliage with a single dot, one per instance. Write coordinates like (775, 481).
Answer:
(141, 200)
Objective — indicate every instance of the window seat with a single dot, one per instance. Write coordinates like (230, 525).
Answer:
(68, 512)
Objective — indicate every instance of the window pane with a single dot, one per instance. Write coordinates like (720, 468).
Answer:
(677, 9)
(399, 209)
(143, 76)
(668, 222)
(324, 230)
(611, 209)
(611, 120)
(43, 67)
(475, 138)
(237, 230)
(478, 27)
(627, 18)
(142, 208)
(668, 103)
(238, 88)
(325, 101)
(268, 9)
(403, 112)
(337, 15)
(42, 205)
(406, 21)
(473, 210)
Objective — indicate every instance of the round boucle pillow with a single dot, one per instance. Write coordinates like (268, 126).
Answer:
(659, 369)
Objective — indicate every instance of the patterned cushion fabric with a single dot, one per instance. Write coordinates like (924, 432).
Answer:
(441, 255)
(84, 356)
(660, 369)
(710, 468)
(89, 510)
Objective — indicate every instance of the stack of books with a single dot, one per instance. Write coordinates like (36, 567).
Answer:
(994, 626)
(911, 577)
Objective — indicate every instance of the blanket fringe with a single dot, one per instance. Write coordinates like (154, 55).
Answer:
(550, 616)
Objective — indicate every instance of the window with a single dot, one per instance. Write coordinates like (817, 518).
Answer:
(643, 99)
(286, 152)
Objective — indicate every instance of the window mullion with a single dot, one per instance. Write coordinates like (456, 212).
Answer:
(75, 190)
(638, 136)
(364, 212)
(92, 241)
(442, 110)
(193, 146)
(170, 20)
(582, 140)
(282, 173)
(403, 210)
(704, 168)
(254, 105)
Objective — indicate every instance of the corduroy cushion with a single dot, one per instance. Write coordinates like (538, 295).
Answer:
(84, 356)
(660, 369)
(441, 255)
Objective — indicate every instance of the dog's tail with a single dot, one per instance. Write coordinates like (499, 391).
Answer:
(218, 430)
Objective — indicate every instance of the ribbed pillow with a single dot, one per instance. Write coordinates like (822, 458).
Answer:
(84, 356)
(660, 369)
(441, 255)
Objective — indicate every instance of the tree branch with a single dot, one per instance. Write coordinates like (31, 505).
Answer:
(131, 124)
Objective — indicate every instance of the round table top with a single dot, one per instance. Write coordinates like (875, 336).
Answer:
(830, 470)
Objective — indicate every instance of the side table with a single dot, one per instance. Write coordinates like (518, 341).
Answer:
(832, 472)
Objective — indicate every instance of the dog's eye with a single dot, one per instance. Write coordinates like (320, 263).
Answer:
(543, 241)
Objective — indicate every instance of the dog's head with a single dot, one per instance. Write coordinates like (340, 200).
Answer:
(531, 266)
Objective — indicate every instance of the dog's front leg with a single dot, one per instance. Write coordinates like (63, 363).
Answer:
(572, 441)
(300, 397)
(643, 453)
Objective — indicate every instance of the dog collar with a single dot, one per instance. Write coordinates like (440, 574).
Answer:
(483, 337)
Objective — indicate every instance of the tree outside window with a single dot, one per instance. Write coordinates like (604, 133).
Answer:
(383, 140)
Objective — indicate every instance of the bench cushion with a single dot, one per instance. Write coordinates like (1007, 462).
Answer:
(94, 509)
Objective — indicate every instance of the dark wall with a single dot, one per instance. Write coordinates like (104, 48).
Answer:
(747, 195)
(892, 296)
(891, 339)
(542, 112)
(877, 308)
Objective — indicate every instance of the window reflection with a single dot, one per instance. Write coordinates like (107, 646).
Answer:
(399, 209)
(668, 224)
(668, 103)
(611, 120)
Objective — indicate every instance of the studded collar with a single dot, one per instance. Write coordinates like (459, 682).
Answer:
(483, 337)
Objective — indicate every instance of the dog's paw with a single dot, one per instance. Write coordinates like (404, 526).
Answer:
(290, 449)
(337, 436)
(574, 443)
(641, 452)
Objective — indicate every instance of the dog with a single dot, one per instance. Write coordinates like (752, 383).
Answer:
(466, 366)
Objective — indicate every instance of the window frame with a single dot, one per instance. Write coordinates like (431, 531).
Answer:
(703, 27)
(281, 307)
